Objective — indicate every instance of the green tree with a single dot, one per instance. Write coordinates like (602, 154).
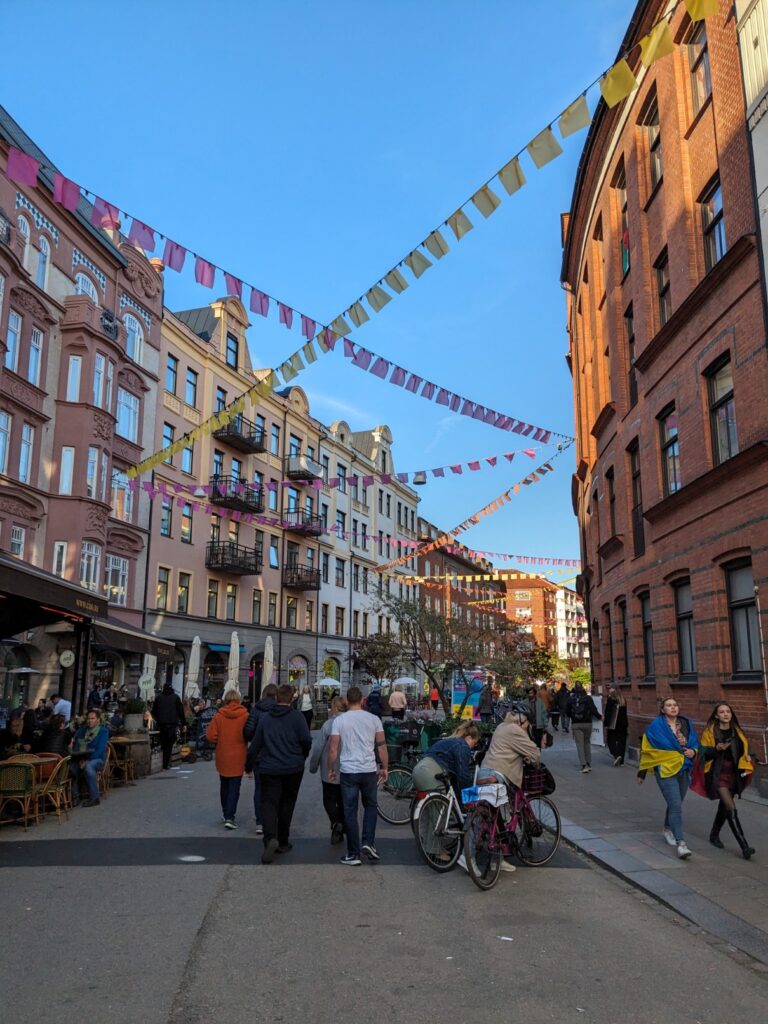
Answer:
(542, 664)
(583, 676)
(379, 656)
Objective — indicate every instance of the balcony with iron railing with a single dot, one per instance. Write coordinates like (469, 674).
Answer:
(299, 521)
(301, 467)
(231, 492)
(242, 434)
(227, 556)
(301, 577)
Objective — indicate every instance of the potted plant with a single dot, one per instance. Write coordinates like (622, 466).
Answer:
(134, 714)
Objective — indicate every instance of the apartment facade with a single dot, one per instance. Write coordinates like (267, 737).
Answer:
(531, 605)
(667, 350)
(572, 629)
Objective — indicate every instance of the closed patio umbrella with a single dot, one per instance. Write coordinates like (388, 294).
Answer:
(147, 680)
(233, 665)
(268, 665)
(192, 689)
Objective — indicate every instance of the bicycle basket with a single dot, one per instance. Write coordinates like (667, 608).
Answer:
(538, 780)
(494, 794)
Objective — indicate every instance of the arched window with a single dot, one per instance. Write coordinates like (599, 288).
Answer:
(43, 262)
(24, 232)
(85, 286)
(134, 345)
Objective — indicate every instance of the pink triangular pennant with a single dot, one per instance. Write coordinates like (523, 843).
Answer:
(398, 377)
(65, 192)
(380, 368)
(174, 255)
(204, 272)
(491, 460)
(259, 302)
(104, 215)
(233, 285)
(362, 358)
(474, 466)
(349, 348)
(413, 383)
(308, 327)
(142, 236)
(286, 314)
(21, 167)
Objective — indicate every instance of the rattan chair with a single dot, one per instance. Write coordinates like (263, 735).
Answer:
(57, 791)
(103, 775)
(123, 767)
(17, 786)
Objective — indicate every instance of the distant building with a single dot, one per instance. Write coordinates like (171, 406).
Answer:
(532, 606)
(572, 630)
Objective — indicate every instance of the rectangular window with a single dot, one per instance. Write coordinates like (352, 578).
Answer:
(166, 513)
(381, 501)
(66, 470)
(326, 466)
(233, 531)
(713, 224)
(670, 451)
(163, 583)
(274, 443)
(324, 515)
(25, 453)
(90, 565)
(274, 555)
(356, 577)
(610, 486)
(339, 622)
(292, 552)
(99, 369)
(364, 536)
(110, 382)
(629, 330)
(722, 411)
(261, 426)
(103, 477)
(187, 459)
(122, 496)
(294, 445)
(213, 599)
(231, 602)
(90, 472)
(218, 462)
(221, 399)
(620, 184)
(233, 348)
(686, 643)
(365, 623)
(309, 612)
(116, 580)
(5, 436)
(323, 618)
(340, 574)
(341, 473)
(168, 435)
(625, 637)
(645, 614)
(215, 534)
(186, 523)
(698, 62)
(272, 610)
(341, 523)
(355, 623)
(638, 528)
(355, 525)
(651, 124)
(35, 356)
(190, 388)
(365, 581)
(13, 341)
(171, 374)
(272, 496)
(293, 499)
(324, 564)
(256, 607)
(127, 415)
(74, 366)
(291, 612)
(237, 469)
(742, 614)
(661, 267)
(18, 534)
(60, 558)
(182, 593)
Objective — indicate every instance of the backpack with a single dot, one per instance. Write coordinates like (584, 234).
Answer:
(581, 709)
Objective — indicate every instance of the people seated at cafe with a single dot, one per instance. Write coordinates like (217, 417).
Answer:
(43, 713)
(55, 737)
(94, 697)
(30, 731)
(116, 722)
(89, 752)
(61, 706)
(12, 739)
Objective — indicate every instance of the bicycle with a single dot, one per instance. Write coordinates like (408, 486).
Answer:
(531, 832)
(396, 795)
(438, 826)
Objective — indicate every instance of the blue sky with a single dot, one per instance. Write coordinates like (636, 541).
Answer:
(307, 148)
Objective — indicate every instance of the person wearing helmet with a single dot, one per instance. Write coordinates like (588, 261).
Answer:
(511, 746)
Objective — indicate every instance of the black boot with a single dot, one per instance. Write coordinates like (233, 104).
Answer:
(717, 824)
(733, 821)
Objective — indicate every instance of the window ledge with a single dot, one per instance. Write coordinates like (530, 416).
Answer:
(685, 681)
(613, 544)
(704, 106)
(647, 682)
(604, 417)
(755, 680)
(654, 192)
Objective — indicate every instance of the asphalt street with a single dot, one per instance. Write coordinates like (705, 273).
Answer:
(145, 911)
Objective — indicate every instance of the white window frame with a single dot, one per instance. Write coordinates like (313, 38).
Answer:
(6, 421)
(110, 383)
(60, 550)
(103, 476)
(26, 452)
(99, 370)
(134, 340)
(2, 293)
(13, 340)
(116, 580)
(92, 467)
(24, 231)
(127, 404)
(74, 372)
(35, 356)
(66, 469)
(18, 541)
(85, 286)
(90, 565)
(43, 263)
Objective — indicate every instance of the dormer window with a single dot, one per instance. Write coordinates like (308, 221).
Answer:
(233, 351)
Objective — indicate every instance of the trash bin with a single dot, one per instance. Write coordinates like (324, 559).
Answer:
(394, 744)
(429, 735)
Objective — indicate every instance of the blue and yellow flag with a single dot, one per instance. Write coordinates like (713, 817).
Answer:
(660, 749)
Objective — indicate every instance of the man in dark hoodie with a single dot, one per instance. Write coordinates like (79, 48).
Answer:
(168, 712)
(280, 748)
(268, 700)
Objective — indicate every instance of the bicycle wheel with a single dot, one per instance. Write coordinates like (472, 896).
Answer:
(438, 832)
(482, 846)
(394, 797)
(538, 831)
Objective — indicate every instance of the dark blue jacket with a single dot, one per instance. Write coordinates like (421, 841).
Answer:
(455, 755)
(282, 742)
(258, 709)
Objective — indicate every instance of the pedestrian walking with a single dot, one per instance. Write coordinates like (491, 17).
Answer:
(562, 696)
(616, 723)
(486, 703)
(307, 705)
(582, 712)
(373, 702)
(168, 713)
(268, 700)
(318, 758)
(226, 732)
(727, 772)
(279, 747)
(398, 702)
(538, 715)
(434, 696)
(357, 742)
(668, 747)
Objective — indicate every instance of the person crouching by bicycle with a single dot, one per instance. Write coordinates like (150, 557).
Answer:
(454, 754)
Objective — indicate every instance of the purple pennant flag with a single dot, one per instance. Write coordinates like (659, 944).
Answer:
(380, 368)
(516, 428)
(455, 403)
(367, 481)
(468, 408)
(104, 215)
(174, 255)
(318, 484)
(352, 480)
(456, 469)
(402, 477)
(479, 412)
(386, 478)
(333, 482)
(413, 383)
(491, 460)
(22, 168)
(509, 456)
(443, 397)
(286, 314)
(363, 358)
(438, 472)
(259, 302)
(428, 391)
(329, 338)
(474, 466)
(490, 416)
(308, 327)
(142, 236)
(528, 429)
(204, 272)
(65, 192)
(546, 436)
(398, 377)
(233, 285)
(349, 348)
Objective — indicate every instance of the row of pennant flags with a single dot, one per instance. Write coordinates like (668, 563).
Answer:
(615, 85)
(497, 575)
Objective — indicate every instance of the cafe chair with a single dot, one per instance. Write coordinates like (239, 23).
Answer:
(57, 791)
(17, 787)
(123, 768)
(103, 775)
(46, 770)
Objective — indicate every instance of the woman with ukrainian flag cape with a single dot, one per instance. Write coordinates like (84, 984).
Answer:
(727, 772)
(668, 748)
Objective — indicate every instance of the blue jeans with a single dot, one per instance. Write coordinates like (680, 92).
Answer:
(354, 785)
(89, 769)
(230, 794)
(673, 790)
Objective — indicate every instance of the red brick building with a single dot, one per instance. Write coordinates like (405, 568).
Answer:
(532, 604)
(668, 355)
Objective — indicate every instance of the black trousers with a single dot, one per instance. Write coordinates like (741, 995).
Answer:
(167, 739)
(334, 808)
(617, 741)
(278, 799)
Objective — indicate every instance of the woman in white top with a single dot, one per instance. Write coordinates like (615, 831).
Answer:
(307, 705)
(397, 702)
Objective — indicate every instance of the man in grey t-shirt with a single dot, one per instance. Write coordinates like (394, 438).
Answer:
(357, 740)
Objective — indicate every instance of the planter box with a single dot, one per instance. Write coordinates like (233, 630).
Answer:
(134, 723)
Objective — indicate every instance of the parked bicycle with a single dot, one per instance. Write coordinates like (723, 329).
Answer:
(396, 795)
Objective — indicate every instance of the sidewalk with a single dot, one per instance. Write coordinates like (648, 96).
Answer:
(618, 824)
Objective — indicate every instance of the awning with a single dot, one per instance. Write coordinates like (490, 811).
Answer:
(223, 648)
(128, 638)
(30, 597)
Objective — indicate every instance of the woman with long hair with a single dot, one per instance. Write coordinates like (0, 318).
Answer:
(668, 748)
(727, 771)
(318, 758)
(616, 725)
(226, 732)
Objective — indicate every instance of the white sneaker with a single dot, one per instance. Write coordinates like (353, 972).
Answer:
(669, 837)
(462, 861)
(683, 851)
(506, 866)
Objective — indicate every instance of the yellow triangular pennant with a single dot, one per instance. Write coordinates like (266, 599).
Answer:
(617, 83)
(395, 280)
(460, 224)
(575, 117)
(544, 148)
(658, 43)
(437, 245)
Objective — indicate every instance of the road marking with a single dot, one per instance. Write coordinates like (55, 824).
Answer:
(191, 858)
